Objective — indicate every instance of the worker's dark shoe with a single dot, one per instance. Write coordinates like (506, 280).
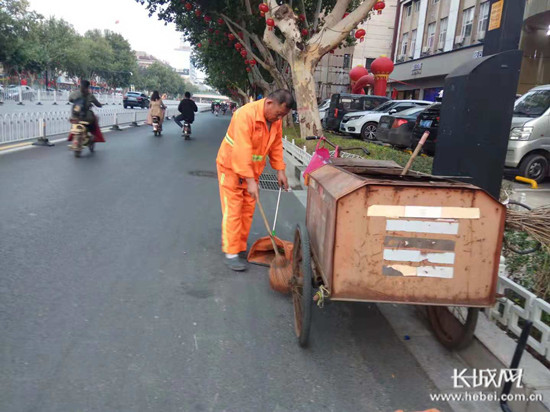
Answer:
(237, 264)
(243, 255)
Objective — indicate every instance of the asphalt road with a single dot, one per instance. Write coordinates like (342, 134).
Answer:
(114, 297)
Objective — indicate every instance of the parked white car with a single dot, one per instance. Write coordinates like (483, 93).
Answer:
(366, 123)
(323, 108)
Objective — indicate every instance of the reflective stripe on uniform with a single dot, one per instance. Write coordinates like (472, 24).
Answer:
(229, 140)
(222, 179)
(224, 223)
(257, 158)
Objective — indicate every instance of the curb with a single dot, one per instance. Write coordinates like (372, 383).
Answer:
(492, 348)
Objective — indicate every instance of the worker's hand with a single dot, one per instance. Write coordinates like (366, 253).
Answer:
(281, 177)
(252, 188)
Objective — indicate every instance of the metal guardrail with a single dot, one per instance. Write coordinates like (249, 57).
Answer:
(38, 96)
(16, 127)
(508, 313)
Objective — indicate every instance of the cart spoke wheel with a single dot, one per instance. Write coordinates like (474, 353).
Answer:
(453, 325)
(301, 284)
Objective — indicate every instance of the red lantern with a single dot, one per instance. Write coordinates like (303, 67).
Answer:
(231, 37)
(220, 21)
(199, 45)
(270, 24)
(379, 6)
(248, 69)
(360, 35)
(188, 6)
(346, 14)
(207, 19)
(198, 13)
(217, 32)
(244, 52)
(302, 17)
(304, 32)
(252, 62)
(264, 8)
(246, 62)
(332, 51)
(241, 35)
(238, 46)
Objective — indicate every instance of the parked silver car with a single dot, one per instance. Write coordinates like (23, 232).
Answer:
(529, 144)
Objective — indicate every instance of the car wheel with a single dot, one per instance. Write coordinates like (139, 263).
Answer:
(368, 131)
(534, 166)
(125, 106)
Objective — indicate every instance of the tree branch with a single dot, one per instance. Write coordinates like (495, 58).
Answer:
(332, 35)
(248, 7)
(303, 7)
(337, 12)
(316, 17)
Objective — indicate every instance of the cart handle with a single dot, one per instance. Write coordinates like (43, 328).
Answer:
(336, 147)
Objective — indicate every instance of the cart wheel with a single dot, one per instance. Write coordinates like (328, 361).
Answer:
(301, 284)
(453, 325)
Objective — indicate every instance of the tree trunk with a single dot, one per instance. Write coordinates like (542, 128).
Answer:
(306, 96)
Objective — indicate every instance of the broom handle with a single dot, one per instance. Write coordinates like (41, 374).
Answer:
(415, 153)
(267, 227)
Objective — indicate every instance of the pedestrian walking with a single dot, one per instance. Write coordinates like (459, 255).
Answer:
(255, 132)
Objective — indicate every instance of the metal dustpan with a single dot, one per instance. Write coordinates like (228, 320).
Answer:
(262, 253)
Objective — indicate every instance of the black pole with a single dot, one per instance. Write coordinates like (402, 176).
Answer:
(518, 353)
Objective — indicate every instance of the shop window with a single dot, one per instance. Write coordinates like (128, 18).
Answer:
(416, 6)
(368, 62)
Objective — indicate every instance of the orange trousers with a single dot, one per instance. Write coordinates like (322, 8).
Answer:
(237, 211)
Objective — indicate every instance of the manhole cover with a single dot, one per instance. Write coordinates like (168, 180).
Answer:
(269, 182)
(204, 173)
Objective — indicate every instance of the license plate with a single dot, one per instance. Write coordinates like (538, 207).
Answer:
(425, 123)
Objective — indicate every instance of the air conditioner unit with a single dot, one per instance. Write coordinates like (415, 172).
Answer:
(459, 39)
(426, 49)
(401, 57)
(481, 36)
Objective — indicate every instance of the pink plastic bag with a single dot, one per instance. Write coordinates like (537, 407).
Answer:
(320, 158)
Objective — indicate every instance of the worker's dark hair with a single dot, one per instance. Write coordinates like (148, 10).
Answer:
(84, 84)
(283, 96)
(155, 96)
(188, 95)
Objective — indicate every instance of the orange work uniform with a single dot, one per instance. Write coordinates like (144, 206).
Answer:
(243, 152)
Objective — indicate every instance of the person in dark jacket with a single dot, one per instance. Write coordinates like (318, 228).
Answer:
(187, 109)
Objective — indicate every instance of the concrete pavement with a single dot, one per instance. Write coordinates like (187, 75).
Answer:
(114, 297)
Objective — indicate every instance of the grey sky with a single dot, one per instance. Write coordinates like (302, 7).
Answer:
(143, 33)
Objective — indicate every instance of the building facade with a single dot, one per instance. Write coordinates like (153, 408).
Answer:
(331, 74)
(433, 37)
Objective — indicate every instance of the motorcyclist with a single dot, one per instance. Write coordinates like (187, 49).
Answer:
(187, 109)
(212, 107)
(82, 102)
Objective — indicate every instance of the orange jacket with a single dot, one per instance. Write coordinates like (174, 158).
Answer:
(248, 142)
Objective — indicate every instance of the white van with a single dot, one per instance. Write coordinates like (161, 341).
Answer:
(529, 144)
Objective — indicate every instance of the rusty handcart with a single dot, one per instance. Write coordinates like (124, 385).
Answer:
(372, 235)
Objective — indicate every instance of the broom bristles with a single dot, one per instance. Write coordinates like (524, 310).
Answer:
(280, 273)
(536, 223)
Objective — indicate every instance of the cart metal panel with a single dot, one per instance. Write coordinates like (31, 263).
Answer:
(378, 237)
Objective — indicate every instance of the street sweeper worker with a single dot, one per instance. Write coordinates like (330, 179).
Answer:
(255, 133)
